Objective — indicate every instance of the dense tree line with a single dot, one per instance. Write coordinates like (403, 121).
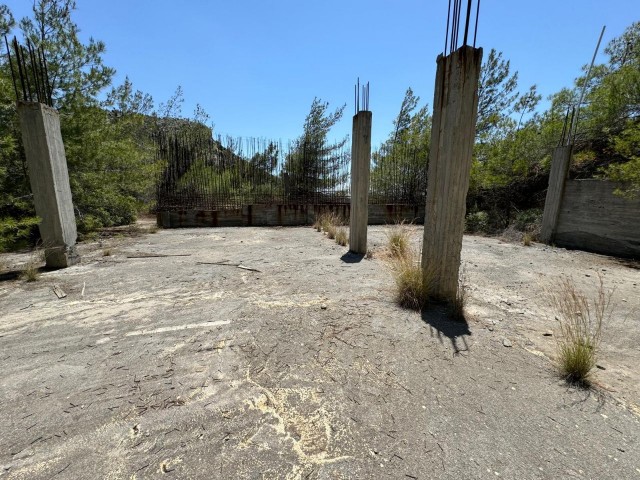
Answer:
(111, 155)
(107, 138)
(515, 139)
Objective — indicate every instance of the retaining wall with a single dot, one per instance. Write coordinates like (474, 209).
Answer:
(283, 215)
(592, 218)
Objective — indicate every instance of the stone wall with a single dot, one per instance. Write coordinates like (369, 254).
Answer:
(283, 215)
(592, 218)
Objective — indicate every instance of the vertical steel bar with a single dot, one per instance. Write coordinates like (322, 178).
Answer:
(466, 23)
(13, 75)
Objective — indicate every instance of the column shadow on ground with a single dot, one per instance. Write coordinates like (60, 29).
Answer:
(442, 325)
(351, 257)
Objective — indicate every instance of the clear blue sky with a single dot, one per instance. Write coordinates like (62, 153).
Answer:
(255, 66)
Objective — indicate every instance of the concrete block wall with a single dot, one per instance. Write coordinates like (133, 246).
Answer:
(593, 218)
(283, 215)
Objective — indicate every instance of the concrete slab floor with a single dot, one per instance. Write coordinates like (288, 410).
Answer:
(178, 367)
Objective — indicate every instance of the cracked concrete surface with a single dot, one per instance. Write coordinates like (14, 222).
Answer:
(164, 367)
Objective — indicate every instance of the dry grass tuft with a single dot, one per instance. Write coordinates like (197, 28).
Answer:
(457, 304)
(153, 229)
(331, 231)
(413, 287)
(342, 237)
(106, 252)
(31, 271)
(527, 239)
(369, 254)
(398, 241)
(326, 222)
(581, 322)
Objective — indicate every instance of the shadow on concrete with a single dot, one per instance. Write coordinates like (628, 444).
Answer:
(17, 274)
(442, 325)
(351, 257)
(11, 275)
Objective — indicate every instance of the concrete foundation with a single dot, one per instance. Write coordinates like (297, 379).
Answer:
(455, 110)
(49, 179)
(560, 162)
(284, 215)
(360, 173)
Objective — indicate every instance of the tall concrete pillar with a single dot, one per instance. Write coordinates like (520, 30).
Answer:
(49, 179)
(360, 173)
(455, 109)
(560, 162)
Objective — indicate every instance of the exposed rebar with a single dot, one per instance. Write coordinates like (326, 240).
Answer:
(31, 75)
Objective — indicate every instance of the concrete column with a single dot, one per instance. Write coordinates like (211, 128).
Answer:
(49, 179)
(560, 162)
(360, 172)
(455, 109)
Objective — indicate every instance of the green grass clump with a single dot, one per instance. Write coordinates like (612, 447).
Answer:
(581, 322)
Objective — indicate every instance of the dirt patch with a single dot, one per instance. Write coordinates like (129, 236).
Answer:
(173, 364)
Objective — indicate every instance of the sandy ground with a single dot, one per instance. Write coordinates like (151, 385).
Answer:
(303, 367)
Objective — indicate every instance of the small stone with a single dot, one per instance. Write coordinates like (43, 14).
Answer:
(490, 328)
(507, 343)
(600, 367)
(548, 333)
(323, 306)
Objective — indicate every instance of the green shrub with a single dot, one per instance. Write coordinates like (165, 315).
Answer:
(477, 222)
(528, 220)
(16, 233)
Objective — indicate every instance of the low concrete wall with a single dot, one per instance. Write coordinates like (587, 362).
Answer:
(592, 218)
(283, 215)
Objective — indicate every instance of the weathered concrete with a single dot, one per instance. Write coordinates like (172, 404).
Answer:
(560, 162)
(284, 215)
(452, 138)
(178, 367)
(360, 173)
(591, 217)
(49, 179)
